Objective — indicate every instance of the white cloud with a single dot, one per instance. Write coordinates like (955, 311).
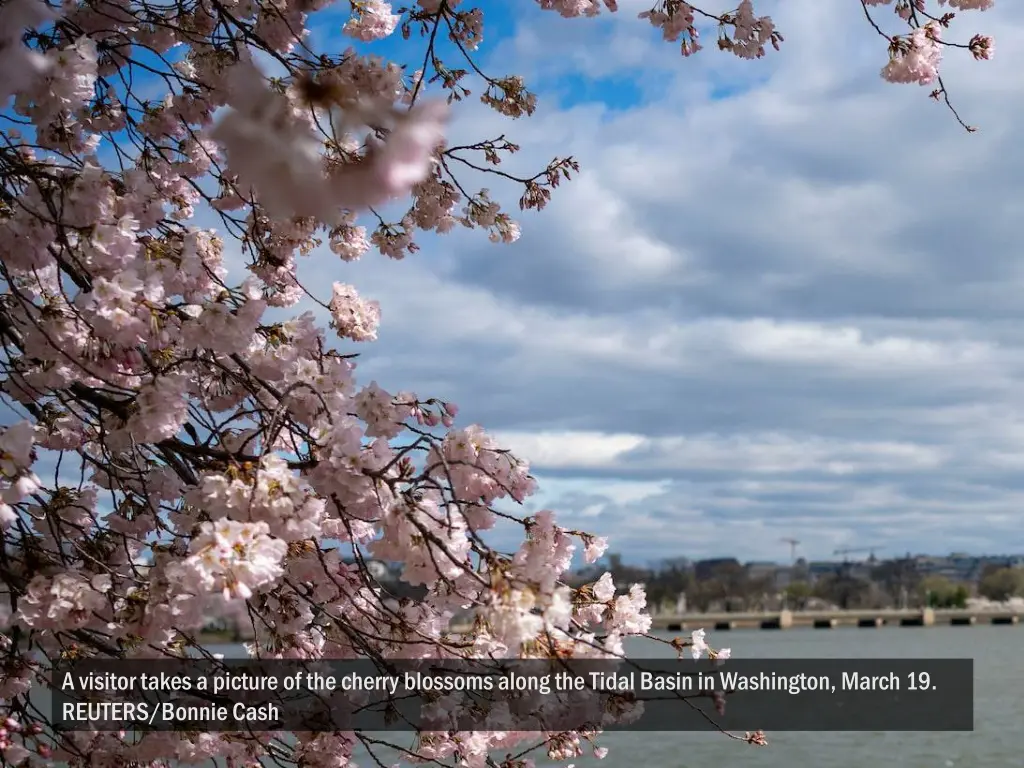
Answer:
(752, 453)
(570, 450)
(846, 348)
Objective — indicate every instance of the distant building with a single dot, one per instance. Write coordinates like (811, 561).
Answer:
(761, 569)
(786, 575)
(682, 564)
(779, 576)
(816, 569)
(962, 567)
(800, 571)
(860, 571)
(706, 569)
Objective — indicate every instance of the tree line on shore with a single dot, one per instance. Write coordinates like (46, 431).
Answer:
(730, 586)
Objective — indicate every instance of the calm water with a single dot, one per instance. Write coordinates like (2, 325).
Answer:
(998, 706)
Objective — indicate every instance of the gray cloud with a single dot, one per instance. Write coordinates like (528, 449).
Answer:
(793, 310)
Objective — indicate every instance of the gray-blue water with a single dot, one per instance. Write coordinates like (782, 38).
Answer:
(999, 706)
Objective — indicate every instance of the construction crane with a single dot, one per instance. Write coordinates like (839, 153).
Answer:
(793, 543)
(850, 550)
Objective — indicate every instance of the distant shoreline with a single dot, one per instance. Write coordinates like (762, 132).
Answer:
(1010, 613)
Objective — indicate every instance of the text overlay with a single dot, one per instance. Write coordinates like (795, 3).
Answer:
(489, 695)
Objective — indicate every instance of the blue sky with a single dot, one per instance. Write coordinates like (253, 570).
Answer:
(782, 298)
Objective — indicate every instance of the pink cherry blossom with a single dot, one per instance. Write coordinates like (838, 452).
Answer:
(353, 317)
(916, 59)
(187, 445)
(231, 558)
(371, 20)
(969, 5)
(698, 644)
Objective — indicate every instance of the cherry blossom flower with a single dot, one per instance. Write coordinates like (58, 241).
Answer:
(232, 558)
(698, 644)
(371, 20)
(188, 445)
(916, 59)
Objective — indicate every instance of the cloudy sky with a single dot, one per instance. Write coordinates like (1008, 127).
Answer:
(782, 299)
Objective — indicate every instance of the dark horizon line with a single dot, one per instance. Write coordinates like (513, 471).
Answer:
(785, 562)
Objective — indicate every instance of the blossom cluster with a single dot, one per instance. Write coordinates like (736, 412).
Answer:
(183, 446)
(916, 57)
